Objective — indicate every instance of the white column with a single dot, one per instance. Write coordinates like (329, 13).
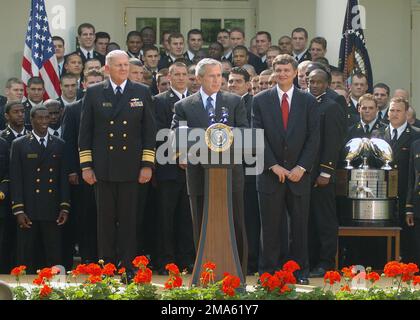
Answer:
(329, 24)
(62, 21)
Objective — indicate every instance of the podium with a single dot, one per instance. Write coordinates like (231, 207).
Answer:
(223, 146)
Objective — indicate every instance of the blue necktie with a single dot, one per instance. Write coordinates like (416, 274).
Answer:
(209, 105)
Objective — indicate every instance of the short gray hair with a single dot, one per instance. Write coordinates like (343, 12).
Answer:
(201, 66)
(113, 54)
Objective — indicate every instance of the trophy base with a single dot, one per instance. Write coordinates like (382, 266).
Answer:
(372, 210)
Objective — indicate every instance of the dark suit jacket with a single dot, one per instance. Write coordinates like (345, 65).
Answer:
(4, 178)
(332, 95)
(353, 115)
(70, 132)
(191, 110)
(116, 139)
(296, 146)
(28, 107)
(96, 55)
(306, 56)
(357, 130)
(401, 155)
(164, 111)
(38, 178)
(413, 192)
(332, 133)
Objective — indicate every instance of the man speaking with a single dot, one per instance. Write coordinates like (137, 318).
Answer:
(197, 110)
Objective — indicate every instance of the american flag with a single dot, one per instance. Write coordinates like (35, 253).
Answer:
(39, 54)
(354, 56)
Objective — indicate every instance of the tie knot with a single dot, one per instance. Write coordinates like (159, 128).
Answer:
(118, 89)
(209, 100)
(285, 96)
(366, 127)
(42, 139)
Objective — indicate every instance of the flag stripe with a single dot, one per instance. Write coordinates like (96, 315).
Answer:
(38, 55)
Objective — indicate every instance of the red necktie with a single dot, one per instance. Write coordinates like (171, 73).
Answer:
(285, 110)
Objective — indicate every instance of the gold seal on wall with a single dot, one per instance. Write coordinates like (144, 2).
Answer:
(219, 137)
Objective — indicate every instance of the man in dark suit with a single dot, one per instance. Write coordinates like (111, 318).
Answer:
(82, 194)
(175, 243)
(412, 205)
(15, 118)
(86, 37)
(195, 110)
(381, 92)
(4, 208)
(40, 193)
(69, 86)
(35, 90)
(299, 44)
(324, 226)
(151, 59)
(290, 120)
(263, 40)
(117, 140)
(239, 83)
(400, 135)
(369, 121)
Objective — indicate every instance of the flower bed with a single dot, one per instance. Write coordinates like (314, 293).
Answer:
(105, 282)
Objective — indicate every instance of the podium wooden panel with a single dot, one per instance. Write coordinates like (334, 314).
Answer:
(217, 239)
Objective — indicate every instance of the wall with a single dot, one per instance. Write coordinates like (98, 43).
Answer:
(388, 36)
(281, 17)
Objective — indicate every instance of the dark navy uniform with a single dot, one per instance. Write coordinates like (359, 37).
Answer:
(39, 188)
(358, 131)
(353, 115)
(413, 196)
(28, 106)
(401, 155)
(4, 207)
(251, 208)
(323, 217)
(117, 138)
(82, 222)
(175, 242)
(9, 249)
(96, 55)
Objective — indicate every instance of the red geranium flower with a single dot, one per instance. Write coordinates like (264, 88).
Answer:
(348, 272)
(38, 281)
(80, 269)
(332, 277)
(172, 268)
(94, 279)
(373, 277)
(209, 266)
(174, 281)
(18, 271)
(143, 276)
(206, 278)
(291, 266)
(93, 269)
(48, 273)
(416, 280)
(285, 289)
(109, 270)
(45, 291)
(140, 261)
(393, 269)
(230, 283)
(121, 271)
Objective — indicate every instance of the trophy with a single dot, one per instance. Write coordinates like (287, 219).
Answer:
(353, 149)
(383, 151)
